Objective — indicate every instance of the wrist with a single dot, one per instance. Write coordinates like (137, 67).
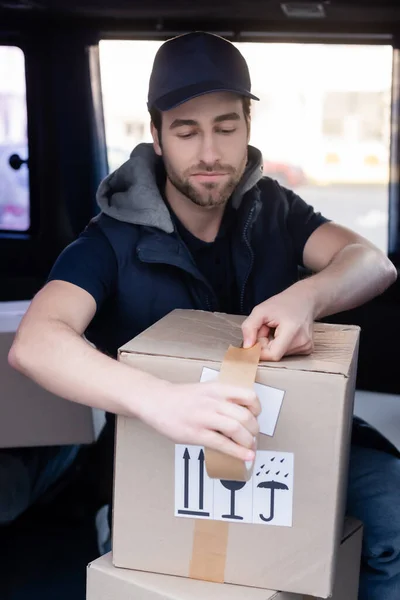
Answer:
(311, 293)
(145, 396)
(137, 392)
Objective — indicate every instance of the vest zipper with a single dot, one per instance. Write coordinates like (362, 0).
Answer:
(199, 277)
(246, 227)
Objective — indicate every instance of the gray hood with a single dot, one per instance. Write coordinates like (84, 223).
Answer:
(131, 194)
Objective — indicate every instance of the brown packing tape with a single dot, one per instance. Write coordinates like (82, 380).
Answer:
(239, 367)
(210, 542)
(210, 538)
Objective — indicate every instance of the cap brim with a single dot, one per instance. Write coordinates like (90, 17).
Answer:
(177, 97)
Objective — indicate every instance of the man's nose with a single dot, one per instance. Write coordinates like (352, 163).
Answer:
(209, 151)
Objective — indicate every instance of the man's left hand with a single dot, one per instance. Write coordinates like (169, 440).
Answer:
(282, 324)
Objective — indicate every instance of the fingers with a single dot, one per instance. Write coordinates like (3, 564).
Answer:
(251, 327)
(276, 349)
(265, 344)
(218, 441)
(239, 414)
(240, 395)
(234, 413)
(286, 342)
(232, 429)
(264, 332)
(255, 408)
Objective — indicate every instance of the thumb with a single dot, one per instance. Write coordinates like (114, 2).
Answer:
(251, 327)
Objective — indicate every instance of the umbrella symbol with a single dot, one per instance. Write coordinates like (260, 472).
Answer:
(271, 485)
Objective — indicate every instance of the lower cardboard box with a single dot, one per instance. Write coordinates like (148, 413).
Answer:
(106, 582)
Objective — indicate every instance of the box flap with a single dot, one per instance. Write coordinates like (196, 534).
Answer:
(206, 336)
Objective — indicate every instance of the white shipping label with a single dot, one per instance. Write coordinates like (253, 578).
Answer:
(266, 499)
(270, 399)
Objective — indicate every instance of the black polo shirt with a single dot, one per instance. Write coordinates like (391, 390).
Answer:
(214, 260)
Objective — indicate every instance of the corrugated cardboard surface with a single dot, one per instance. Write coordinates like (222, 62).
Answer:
(29, 415)
(206, 336)
(106, 582)
(314, 424)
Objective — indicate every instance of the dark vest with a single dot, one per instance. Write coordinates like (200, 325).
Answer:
(156, 272)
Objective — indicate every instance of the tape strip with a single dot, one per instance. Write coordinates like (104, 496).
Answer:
(210, 542)
(239, 367)
(210, 538)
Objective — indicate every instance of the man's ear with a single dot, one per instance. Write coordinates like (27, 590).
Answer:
(156, 140)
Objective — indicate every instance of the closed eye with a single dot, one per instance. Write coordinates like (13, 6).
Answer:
(186, 136)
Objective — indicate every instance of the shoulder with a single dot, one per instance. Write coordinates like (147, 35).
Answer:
(91, 244)
(285, 203)
(268, 184)
(88, 262)
(276, 202)
(118, 233)
(272, 191)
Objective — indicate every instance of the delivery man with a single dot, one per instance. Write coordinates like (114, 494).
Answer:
(190, 222)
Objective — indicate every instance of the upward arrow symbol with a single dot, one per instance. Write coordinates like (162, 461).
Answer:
(201, 479)
(186, 458)
(200, 512)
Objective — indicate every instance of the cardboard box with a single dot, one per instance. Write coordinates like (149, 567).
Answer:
(106, 582)
(287, 537)
(29, 415)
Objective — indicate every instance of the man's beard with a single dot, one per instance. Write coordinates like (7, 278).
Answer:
(207, 200)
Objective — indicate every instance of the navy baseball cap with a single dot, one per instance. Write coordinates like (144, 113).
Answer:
(194, 64)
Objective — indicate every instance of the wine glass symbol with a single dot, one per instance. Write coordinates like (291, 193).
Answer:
(233, 487)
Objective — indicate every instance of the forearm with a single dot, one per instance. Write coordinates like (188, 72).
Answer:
(356, 274)
(62, 362)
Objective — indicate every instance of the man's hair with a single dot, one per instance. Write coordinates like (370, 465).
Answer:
(156, 116)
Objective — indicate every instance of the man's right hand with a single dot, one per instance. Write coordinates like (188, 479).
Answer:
(214, 415)
(50, 349)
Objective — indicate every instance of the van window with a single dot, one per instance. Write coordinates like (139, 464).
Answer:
(14, 173)
(323, 123)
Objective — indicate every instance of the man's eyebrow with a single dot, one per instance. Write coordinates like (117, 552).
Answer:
(182, 123)
(232, 116)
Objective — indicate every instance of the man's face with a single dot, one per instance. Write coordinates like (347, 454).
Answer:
(204, 147)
